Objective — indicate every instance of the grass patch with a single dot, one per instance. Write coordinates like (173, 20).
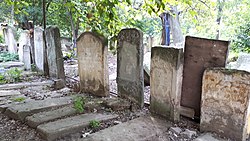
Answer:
(94, 124)
(79, 103)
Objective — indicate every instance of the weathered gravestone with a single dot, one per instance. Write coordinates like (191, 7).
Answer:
(243, 62)
(225, 103)
(130, 81)
(54, 53)
(199, 54)
(92, 64)
(10, 39)
(165, 82)
(39, 48)
(23, 40)
(26, 57)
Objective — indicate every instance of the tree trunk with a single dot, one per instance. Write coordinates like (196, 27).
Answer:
(45, 59)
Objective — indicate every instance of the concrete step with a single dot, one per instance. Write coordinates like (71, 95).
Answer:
(52, 130)
(20, 111)
(140, 129)
(43, 117)
(26, 84)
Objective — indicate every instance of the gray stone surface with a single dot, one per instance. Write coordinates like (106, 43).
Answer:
(225, 103)
(11, 64)
(188, 134)
(9, 37)
(140, 129)
(116, 104)
(26, 57)
(6, 93)
(165, 83)
(208, 137)
(54, 53)
(59, 128)
(40, 118)
(23, 40)
(199, 54)
(92, 64)
(146, 67)
(21, 111)
(39, 48)
(26, 84)
(130, 79)
(176, 130)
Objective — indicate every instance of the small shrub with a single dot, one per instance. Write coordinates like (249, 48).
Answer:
(79, 103)
(13, 75)
(19, 99)
(6, 56)
(2, 79)
(94, 124)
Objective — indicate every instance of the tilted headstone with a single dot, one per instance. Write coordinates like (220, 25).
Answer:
(54, 53)
(39, 48)
(165, 82)
(26, 57)
(199, 54)
(130, 80)
(92, 64)
(10, 39)
(23, 40)
(225, 103)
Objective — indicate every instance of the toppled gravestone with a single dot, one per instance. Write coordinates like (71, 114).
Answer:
(92, 64)
(166, 80)
(54, 53)
(130, 80)
(225, 103)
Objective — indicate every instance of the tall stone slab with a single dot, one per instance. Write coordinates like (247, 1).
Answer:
(225, 103)
(24, 39)
(165, 83)
(130, 80)
(27, 57)
(39, 48)
(199, 54)
(10, 39)
(54, 53)
(92, 64)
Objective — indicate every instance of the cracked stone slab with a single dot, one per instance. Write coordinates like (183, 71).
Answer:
(20, 111)
(5, 93)
(43, 117)
(140, 129)
(25, 84)
(52, 130)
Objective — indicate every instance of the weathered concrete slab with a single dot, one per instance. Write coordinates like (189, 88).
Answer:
(116, 104)
(92, 64)
(166, 82)
(11, 64)
(199, 54)
(208, 137)
(6, 93)
(24, 39)
(39, 48)
(43, 117)
(54, 52)
(26, 84)
(225, 103)
(140, 129)
(59, 128)
(21, 111)
(130, 79)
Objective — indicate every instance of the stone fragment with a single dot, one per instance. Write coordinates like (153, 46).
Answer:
(188, 134)
(130, 79)
(176, 130)
(23, 110)
(116, 104)
(39, 48)
(225, 103)
(208, 137)
(92, 64)
(165, 82)
(199, 54)
(54, 53)
(52, 130)
(59, 84)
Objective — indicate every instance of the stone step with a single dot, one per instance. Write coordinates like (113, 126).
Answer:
(43, 117)
(7, 93)
(52, 130)
(26, 84)
(20, 111)
(143, 129)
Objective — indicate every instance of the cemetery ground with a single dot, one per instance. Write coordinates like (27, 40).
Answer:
(112, 119)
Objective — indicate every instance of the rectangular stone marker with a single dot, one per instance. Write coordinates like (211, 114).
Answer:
(225, 103)
(130, 79)
(165, 82)
(23, 40)
(54, 52)
(92, 64)
(10, 39)
(199, 54)
(26, 57)
(39, 48)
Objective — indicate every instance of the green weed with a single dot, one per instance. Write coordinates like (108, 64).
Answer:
(94, 124)
(79, 103)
